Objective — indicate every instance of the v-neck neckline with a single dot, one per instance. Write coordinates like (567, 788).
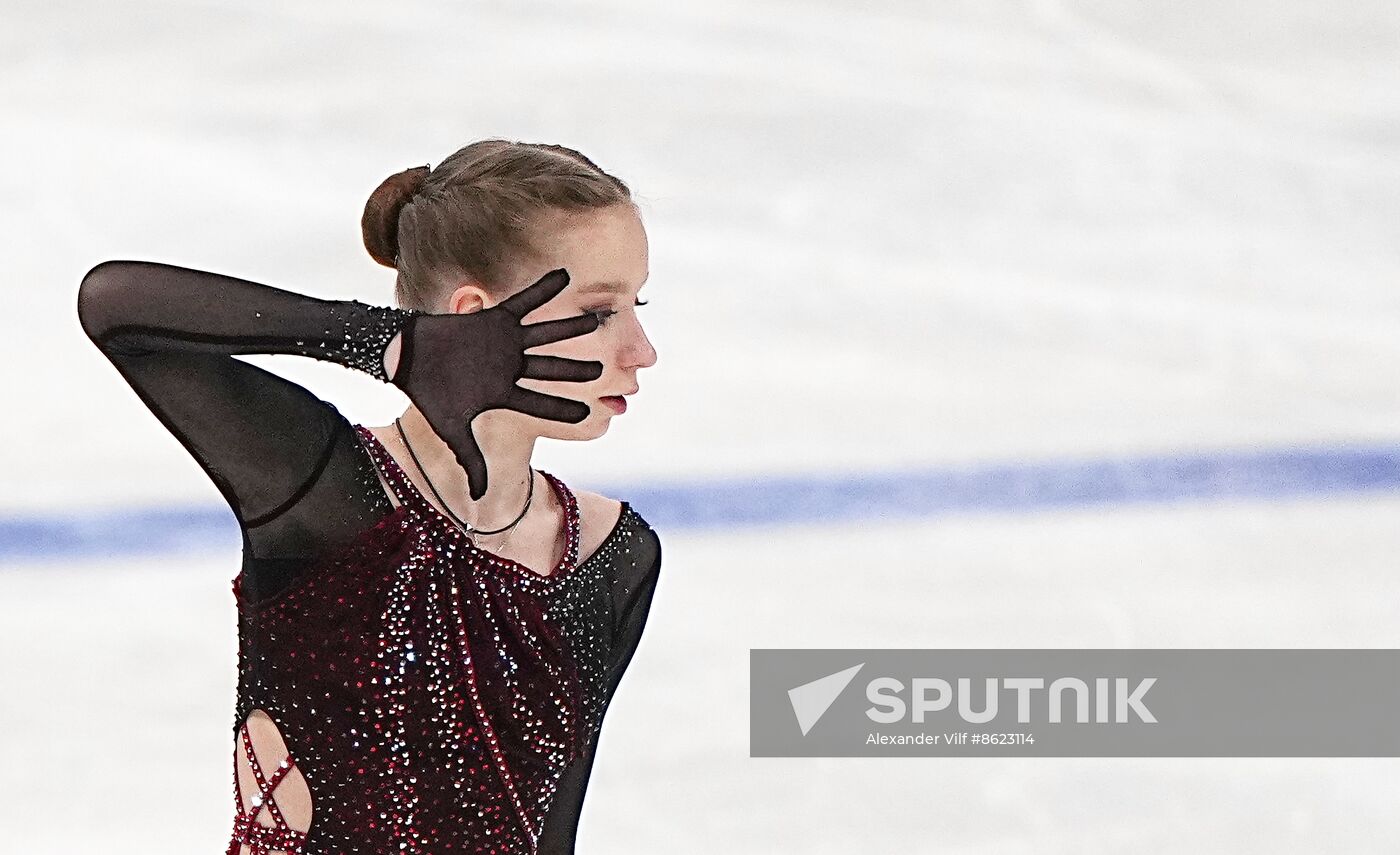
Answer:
(409, 494)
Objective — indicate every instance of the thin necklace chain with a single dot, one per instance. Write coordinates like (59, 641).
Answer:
(467, 528)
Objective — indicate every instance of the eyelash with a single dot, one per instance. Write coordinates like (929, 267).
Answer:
(604, 314)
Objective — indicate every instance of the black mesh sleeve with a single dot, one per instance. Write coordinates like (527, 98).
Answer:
(286, 461)
(634, 586)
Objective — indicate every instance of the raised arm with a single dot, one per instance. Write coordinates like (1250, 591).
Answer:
(136, 307)
(170, 332)
(268, 443)
(285, 460)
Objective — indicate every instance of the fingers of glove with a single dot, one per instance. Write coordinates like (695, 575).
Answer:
(543, 406)
(545, 332)
(546, 289)
(560, 368)
(464, 445)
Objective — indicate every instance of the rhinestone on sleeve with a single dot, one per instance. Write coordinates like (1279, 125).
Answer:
(367, 333)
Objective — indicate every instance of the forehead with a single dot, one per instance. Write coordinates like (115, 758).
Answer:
(605, 251)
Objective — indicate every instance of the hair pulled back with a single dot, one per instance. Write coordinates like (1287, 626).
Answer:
(477, 214)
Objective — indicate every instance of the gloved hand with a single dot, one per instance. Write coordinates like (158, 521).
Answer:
(456, 366)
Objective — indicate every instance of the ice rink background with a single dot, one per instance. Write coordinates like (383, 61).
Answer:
(896, 240)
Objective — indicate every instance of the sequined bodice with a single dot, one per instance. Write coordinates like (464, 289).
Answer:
(432, 693)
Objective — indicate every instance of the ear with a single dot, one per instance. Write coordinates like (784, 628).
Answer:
(468, 297)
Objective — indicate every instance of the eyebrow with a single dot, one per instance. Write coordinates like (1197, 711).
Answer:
(613, 286)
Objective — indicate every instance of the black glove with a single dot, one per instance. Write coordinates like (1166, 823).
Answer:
(456, 366)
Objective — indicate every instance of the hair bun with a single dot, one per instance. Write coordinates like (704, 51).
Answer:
(380, 223)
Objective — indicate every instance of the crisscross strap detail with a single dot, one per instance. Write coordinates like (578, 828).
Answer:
(262, 839)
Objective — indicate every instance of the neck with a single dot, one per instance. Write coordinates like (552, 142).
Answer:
(507, 450)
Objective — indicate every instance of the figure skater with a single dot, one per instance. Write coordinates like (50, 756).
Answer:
(430, 630)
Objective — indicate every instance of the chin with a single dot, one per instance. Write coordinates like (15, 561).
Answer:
(590, 428)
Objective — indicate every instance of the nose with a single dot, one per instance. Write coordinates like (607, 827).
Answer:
(636, 349)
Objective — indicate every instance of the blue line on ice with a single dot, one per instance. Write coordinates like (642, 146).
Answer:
(1001, 488)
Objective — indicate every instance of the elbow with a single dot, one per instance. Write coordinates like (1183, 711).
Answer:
(97, 297)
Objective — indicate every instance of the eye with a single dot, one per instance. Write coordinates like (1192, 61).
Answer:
(604, 314)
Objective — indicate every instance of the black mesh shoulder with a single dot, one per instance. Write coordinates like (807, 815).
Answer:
(634, 568)
(342, 498)
(288, 463)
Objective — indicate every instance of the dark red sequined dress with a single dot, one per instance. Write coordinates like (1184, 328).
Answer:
(436, 697)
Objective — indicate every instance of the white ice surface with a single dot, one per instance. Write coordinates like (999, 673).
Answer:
(882, 235)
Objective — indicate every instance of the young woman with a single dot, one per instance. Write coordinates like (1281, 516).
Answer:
(430, 630)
